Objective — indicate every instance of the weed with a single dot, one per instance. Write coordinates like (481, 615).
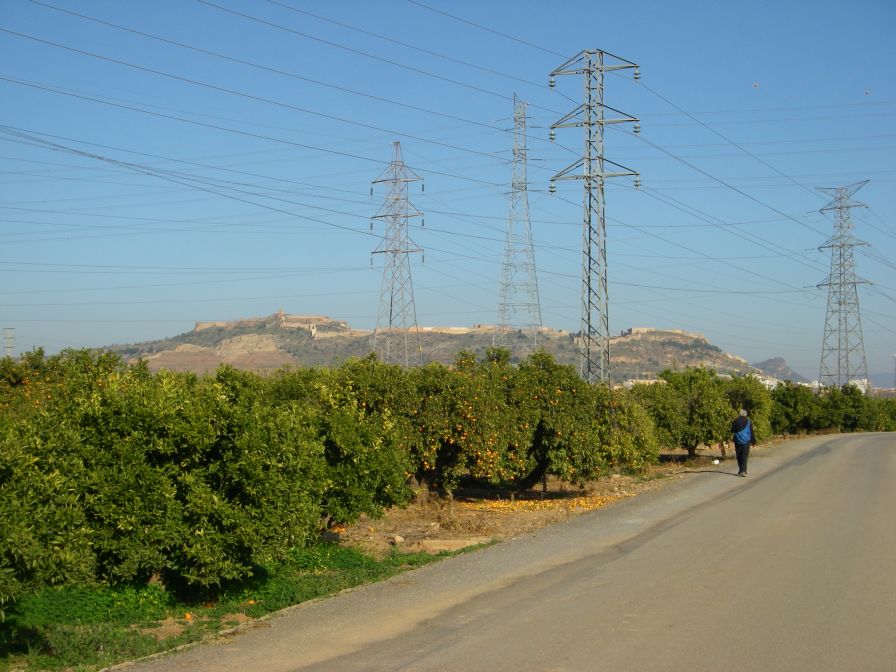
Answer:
(86, 628)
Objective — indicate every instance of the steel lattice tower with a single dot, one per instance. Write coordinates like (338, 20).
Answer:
(397, 338)
(9, 339)
(843, 349)
(518, 303)
(591, 116)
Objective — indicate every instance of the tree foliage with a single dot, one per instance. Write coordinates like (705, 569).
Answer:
(689, 408)
(795, 409)
(112, 474)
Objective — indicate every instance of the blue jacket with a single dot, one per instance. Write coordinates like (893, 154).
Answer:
(742, 429)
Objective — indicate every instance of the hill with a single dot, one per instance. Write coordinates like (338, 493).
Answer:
(268, 343)
(776, 367)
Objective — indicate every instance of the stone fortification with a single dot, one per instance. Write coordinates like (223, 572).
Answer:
(279, 319)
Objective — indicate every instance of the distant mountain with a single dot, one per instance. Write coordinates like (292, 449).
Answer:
(883, 380)
(776, 367)
(643, 352)
(268, 343)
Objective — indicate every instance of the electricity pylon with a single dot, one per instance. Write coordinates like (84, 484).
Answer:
(590, 115)
(397, 338)
(9, 339)
(518, 303)
(843, 349)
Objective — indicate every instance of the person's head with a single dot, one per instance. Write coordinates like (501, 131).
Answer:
(743, 413)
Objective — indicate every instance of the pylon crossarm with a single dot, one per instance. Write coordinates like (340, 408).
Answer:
(387, 211)
(571, 66)
(626, 117)
(567, 174)
(409, 250)
(562, 122)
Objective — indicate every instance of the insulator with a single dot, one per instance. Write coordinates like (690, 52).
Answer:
(422, 186)
(422, 222)
(553, 188)
(371, 225)
(637, 74)
(371, 191)
(637, 128)
(552, 82)
(552, 135)
(637, 183)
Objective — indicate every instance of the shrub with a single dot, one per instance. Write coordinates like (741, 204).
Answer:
(116, 475)
(795, 409)
(626, 431)
(848, 409)
(363, 426)
(558, 407)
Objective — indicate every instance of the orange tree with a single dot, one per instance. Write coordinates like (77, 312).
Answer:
(119, 475)
(706, 411)
(625, 431)
(460, 421)
(885, 411)
(664, 406)
(364, 411)
(45, 533)
(848, 409)
(502, 431)
(436, 446)
(689, 408)
(515, 425)
(556, 408)
(795, 409)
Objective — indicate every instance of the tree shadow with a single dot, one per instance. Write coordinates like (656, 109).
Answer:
(710, 471)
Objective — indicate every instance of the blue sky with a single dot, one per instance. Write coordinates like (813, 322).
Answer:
(181, 160)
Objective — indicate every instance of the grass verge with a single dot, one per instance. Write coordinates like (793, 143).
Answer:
(90, 628)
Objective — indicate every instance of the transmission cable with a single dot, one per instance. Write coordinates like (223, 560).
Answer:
(270, 69)
(243, 94)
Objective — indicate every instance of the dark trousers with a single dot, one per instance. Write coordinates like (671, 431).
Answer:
(743, 452)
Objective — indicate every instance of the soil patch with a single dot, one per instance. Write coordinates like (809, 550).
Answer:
(167, 629)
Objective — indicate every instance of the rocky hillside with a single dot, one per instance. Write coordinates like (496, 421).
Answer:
(268, 343)
(776, 367)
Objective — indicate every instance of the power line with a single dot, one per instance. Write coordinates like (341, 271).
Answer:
(681, 110)
(284, 141)
(489, 30)
(242, 94)
(706, 256)
(187, 121)
(149, 171)
(725, 184)
(192, 181)
(352, 50)
(265, 68)
(694, 212)
(422, 50)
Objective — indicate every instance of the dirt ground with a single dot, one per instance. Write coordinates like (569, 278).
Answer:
(433, 524)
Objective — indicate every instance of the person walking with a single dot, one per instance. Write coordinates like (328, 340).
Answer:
(744, 437)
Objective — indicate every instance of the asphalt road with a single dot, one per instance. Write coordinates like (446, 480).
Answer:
(793, 568)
